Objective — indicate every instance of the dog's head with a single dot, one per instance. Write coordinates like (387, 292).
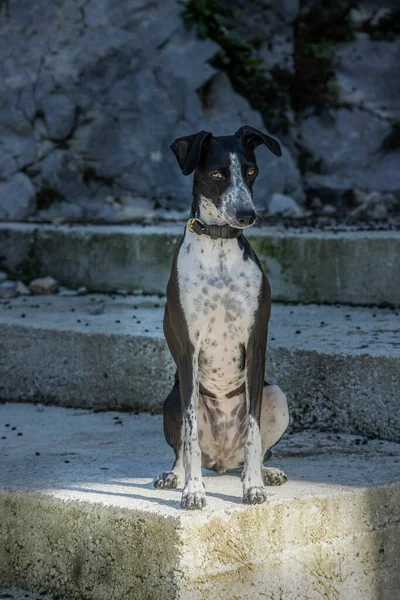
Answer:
(225, 170)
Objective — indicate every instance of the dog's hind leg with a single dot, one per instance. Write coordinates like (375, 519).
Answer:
(274, 420)
(173, 431)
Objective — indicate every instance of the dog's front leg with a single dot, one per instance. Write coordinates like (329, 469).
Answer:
(193, 495)
(254, 491)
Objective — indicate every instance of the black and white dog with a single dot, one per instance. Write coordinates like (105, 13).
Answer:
(220, 414)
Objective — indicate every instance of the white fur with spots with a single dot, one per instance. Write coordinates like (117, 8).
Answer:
(219, 293)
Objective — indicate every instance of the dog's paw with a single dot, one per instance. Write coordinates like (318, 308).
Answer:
(254, 495)
(193, 496)
(273, 476)
(167, 480)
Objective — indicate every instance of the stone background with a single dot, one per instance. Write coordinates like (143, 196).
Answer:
(92, 93)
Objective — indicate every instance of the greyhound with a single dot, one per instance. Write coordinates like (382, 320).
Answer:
(220, 414)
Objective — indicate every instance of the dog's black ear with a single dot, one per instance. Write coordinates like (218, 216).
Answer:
(188, 149)
(254, 138)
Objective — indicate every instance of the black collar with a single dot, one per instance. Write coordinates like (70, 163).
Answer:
(197, 226)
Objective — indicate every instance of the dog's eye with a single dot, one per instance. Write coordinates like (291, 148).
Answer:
(251, 172)
(216, 174)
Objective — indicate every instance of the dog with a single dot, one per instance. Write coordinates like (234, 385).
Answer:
(220, 414)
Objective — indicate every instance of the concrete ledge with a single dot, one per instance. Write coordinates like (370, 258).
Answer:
(339, 366)
(359, 268)
(80, 516)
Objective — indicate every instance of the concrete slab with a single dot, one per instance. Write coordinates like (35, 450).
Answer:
(349, 267)
(339, 365)
(81, 518)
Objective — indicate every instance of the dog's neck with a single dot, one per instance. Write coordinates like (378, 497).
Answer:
(205, 209)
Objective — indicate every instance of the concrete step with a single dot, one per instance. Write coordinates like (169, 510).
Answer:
(80, 516)
(338, 365)
(348, 267)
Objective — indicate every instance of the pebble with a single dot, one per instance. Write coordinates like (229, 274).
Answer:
(22, 289)
(96, 309)
(3, 276)
(328, 209)
(8, 289)
(44, 285)
(82, 291)
(65, 292)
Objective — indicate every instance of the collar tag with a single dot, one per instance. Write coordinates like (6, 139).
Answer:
(195, 226)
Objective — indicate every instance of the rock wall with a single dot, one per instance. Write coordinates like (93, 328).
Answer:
(92, 93)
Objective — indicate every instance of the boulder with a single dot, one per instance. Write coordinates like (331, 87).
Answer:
(119, 82)
(17, 198)
(367, 75)
(349, 146)
(22, 289)
(17, 143)
(281, 204)
(60, 114)
(44, 285)
(375, 206)
(88, 113)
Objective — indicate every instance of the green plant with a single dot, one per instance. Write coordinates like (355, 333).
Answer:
(266, 92)
(317, 32)
(207, 16)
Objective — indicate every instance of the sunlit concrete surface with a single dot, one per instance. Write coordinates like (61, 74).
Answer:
(338, 365)
(80, 516)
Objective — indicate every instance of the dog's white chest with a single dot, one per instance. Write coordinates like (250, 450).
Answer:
(219, 293)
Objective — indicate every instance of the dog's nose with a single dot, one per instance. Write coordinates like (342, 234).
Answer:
(246, 216)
